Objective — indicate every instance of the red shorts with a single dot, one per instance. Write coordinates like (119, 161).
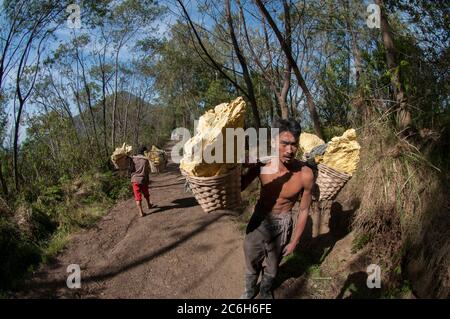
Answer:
(138, 189)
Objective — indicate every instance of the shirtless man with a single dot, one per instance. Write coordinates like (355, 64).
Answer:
(270, 226)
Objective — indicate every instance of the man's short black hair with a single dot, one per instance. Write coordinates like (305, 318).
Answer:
(287, 125)
(142, 149)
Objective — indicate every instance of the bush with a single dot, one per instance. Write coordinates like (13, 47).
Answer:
(45, 215)
(51, 196)
(330, 132)
(115, 188)
(403, 217)
(42, 222)
(17, 254)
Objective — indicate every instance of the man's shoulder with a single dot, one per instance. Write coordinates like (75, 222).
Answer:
(299, 166)
(307, 174)
(139, 160)
(306, 168)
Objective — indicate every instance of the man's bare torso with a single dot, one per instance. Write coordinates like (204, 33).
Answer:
(280, 190)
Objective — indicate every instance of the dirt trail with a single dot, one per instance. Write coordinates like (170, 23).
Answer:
(178, 251)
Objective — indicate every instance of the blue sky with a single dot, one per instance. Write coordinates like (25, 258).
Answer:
(64, 35)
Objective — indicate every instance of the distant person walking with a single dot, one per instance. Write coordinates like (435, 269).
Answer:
(140, 169)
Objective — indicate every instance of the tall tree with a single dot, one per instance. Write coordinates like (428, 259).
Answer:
(403, 113)
(125, 20)
(243, 63)
(290, 59)
(280, 85)
(216, 65)
(34, 34)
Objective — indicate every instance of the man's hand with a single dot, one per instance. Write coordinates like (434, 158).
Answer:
(289, 249)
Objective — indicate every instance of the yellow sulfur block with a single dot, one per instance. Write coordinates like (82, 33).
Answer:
(210, 126)
(309, 141)
(119, 153)
(342, 152)
(155, 155)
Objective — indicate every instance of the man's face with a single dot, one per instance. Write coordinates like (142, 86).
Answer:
(288, 146)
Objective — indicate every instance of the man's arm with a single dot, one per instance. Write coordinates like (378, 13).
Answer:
(131, 167)
(305, 203)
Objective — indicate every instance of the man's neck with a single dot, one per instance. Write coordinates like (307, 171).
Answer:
(282, 166)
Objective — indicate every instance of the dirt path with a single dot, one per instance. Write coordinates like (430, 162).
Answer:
(178, 251)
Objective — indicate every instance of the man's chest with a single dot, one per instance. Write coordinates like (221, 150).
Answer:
(283, 185)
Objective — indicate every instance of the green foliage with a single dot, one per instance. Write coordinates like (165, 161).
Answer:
(41, 221)
(360, 241)
(115, 188)
(217, 92)
(333, 104)
(50, 216)
(56, 243)
(331, 131)
(306, 261)
(18, 253)
(302, 262)
(404, 290)
(186, 87)
(168, 82)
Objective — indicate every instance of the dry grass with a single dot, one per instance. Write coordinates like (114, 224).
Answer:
(404, 213)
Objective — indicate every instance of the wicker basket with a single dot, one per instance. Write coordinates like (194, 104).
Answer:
(122, 163)
(154, 167)
(329, 182)
(217, 192)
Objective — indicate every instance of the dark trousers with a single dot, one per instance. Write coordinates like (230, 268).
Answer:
(264, 241)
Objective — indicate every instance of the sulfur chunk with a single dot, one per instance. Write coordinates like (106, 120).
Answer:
(309, 141)
(342, 152)
(210, 126)
(119, 155)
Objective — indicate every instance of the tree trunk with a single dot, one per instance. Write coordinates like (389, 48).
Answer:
(210, 58)
(301, 82)
(288, 68)
(282, 97)
(22, 100)
(116, 68)
(138, 117)
(15, 144)
(279, 93)
(66, 108)
(83, 120)
(358, 104)
(3, 181)
(89, 102)
(358, 60)
(358, 100)
(403, 113)
(104, 110)
(243, 62)
(124, 134)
